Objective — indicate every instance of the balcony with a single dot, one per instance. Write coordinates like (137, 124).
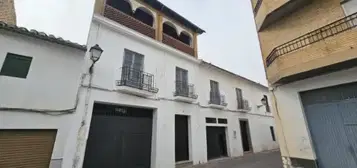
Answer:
(257, 6)
(185, 92)
(128, 21)
(136, 82)
(170, 41)
(244, 106)
(320, 51)
(143, 21)
(267, 13)
(217, 100)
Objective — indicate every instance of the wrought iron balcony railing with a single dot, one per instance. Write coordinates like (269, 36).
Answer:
(137, 79)
(217, 99)
(177, 44)
(314, 36)
(128, 21)
(257, 6)
(184, 89)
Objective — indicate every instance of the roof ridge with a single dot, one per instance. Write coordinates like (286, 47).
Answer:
(232, 73)
(41, 35)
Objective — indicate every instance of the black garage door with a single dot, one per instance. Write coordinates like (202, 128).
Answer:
(216, 142)
(119, 137)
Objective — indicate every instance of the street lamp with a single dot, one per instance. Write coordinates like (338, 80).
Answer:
(95, 53)
(263, 101)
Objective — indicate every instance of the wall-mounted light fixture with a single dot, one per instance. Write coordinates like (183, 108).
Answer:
(263, 101)
(95, 54)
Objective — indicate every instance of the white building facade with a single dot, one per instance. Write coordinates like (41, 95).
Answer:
(39, 83)
(147, 102)
(163, 123)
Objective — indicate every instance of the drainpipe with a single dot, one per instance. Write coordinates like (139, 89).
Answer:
(278, 119)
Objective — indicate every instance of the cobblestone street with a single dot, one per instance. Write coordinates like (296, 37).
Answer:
(260, 160)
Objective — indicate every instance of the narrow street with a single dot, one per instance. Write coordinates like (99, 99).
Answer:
(260, 160)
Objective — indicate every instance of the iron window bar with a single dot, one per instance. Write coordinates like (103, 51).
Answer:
(257, 6)
(314, 36)
(217, 99)
(185, 89)
(137, 79)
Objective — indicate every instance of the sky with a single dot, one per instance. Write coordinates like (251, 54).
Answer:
(230, 41)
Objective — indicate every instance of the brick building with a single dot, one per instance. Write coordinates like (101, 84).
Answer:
(7, 12)
(309, 52)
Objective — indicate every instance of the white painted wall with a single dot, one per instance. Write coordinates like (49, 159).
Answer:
(52, 84)
(298, 143)
(350, 7)
(161, 60)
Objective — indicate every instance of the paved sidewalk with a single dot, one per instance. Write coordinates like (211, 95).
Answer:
(270, 159)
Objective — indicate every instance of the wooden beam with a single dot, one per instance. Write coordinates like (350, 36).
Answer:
(99, 6)
(195, 45)
(158, 27)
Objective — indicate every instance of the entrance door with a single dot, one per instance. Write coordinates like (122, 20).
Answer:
(119, 137)
(245, 135)
(331, 114)
(216, 142)
(181, 138)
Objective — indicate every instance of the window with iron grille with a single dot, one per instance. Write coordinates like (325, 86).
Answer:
(240, 101)
(211, 120)
(133, 65)
(182, 82)
(272, 133)
(267, 107)
(133, 60)
(215, 96)
(16, 65)
(222, 121)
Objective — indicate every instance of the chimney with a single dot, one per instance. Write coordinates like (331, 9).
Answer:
(7, 12)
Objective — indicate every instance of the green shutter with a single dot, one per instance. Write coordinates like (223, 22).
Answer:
(16, 66)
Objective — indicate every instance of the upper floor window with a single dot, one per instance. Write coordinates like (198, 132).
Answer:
(267, 107)
(16, 65)
(133, 60)
(132, 71)
(182, 81)
(214, 87)
(272, 133)
(182, 75)
(240, 101)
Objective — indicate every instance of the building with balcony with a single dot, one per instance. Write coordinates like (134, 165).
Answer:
(153, 103)
(309, 52)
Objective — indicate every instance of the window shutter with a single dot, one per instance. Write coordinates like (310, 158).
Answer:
(185, 77)
(267, 107)
(138, 62)
(128, 58)
(16, 65)
(214, 86)
(240, 101)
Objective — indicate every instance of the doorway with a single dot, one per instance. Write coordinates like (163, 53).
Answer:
(181, 138)
(119, 136)
(332, 121)
(216, 142)
(245, 135)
